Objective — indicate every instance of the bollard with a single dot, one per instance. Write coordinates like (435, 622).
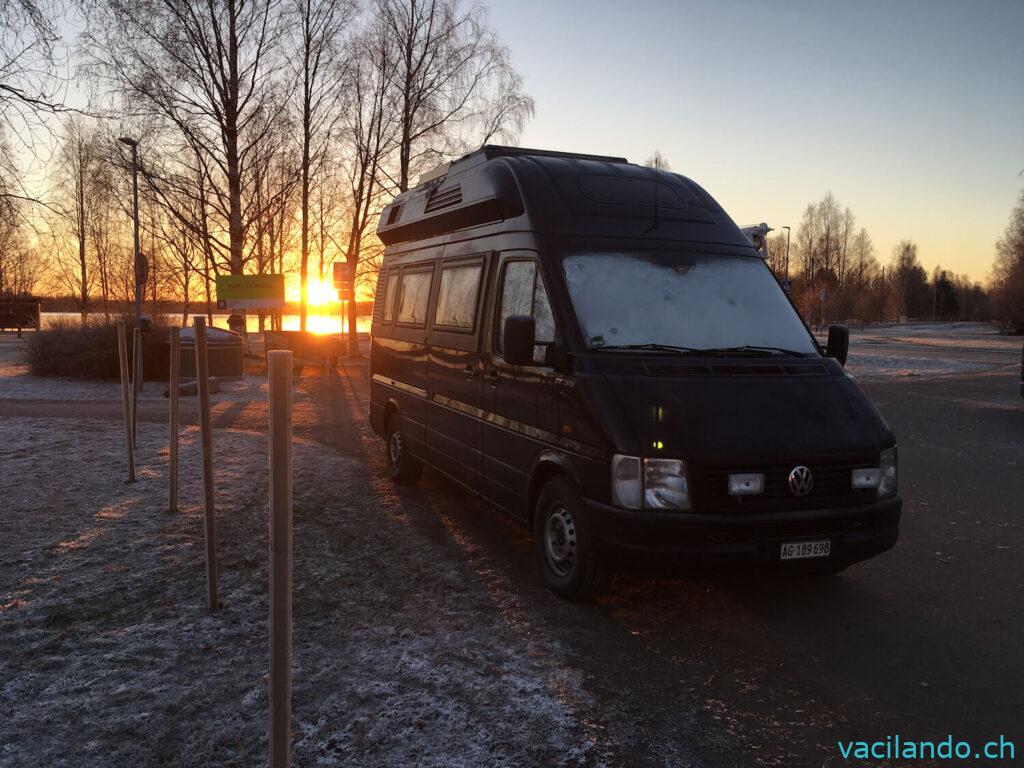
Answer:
(129, 442)
(136, 378)
(203, 377)
(172, 503)
(280, 368)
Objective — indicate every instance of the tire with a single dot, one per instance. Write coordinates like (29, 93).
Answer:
(403, 468)
(565, 544)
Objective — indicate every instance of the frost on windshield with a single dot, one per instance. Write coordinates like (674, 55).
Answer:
(690, 301)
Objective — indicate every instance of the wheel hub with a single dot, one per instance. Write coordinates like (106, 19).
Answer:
(560, 540)
(396, 448)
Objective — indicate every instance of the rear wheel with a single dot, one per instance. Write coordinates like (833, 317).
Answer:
(403, 468)
(565, 544)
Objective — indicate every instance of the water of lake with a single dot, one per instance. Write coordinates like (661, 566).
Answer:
(315, 322)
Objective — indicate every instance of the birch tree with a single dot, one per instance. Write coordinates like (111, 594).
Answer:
(207, 69)
(453, 81)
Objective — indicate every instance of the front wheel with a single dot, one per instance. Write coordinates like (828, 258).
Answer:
(403, 468)
(565, 544)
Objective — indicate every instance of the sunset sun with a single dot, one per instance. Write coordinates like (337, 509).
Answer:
(321, 292)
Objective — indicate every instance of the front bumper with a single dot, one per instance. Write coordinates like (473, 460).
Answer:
(688, 538)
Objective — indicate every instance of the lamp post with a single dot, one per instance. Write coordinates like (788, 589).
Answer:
(787, 251)
(139, 278)
(135, 216)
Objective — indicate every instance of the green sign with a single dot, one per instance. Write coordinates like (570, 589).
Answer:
(250, 291)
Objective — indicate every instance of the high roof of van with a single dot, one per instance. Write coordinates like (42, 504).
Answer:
(503, 189)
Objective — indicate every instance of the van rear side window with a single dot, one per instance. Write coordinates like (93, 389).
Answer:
(456, 299)
(413, 296)
(392, 293)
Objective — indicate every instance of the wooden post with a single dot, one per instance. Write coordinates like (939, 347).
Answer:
(129, 443)
(280, 557)
(203, 378)
(172, 504)
(136, 377)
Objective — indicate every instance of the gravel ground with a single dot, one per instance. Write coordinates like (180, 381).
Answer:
(108, 656)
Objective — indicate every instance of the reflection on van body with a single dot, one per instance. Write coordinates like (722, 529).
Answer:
(603, 355)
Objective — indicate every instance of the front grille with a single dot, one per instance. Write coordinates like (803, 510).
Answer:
(831, 487)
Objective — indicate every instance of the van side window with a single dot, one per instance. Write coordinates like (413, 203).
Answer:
(523, 293)
(456, 299)
(392, 293)
(413, 296)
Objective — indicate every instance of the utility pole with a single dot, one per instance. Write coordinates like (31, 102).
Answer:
(787, 252)
(135, 215)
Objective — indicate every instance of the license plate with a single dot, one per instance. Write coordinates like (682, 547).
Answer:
(803, 550)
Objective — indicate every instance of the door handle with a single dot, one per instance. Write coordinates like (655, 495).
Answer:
(470, 372)
(492, 378)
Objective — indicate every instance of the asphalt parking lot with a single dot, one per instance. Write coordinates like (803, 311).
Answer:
(736, 670)
(741, 670)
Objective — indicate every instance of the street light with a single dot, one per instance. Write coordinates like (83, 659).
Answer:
(787, 251)
(137, 355)
(135, 215)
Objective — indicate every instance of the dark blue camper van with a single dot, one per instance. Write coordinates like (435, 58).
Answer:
(595, 348)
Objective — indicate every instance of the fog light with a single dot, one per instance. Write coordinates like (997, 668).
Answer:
(864, 479)
(746, 485)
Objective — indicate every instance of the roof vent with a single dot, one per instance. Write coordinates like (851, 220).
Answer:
(443, 198)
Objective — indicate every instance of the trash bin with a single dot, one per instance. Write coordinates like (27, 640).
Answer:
(236, 324)
(225, 353)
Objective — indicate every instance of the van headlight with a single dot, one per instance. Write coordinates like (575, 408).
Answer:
(656, 483)
(888, 482)
(626, 482)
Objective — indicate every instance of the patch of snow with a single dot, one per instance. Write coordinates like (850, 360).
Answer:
(867, 365)
(109, 657)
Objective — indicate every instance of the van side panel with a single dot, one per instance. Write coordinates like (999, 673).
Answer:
(399, 366)
(455, 375)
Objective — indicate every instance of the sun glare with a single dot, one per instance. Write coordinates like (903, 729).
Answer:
(321, 293)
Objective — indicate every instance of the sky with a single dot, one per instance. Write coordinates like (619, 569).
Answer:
(911, 113)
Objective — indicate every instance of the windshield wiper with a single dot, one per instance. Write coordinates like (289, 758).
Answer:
(753, 348)
(715, 351)
(652, 347)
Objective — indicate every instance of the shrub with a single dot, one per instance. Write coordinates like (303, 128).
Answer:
(68, 349)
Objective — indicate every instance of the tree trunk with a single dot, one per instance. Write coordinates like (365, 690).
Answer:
(234, 171)
(82, 266)
(304, 263)
(353, 311)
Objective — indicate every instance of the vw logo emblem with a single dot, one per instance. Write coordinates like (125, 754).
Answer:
(801, 481)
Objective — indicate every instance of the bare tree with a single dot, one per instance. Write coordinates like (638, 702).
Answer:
(1008, 272)
(78, 163)
(207, 70)
(29, 82)
(369, 136)
(20, 267)
(450, 73)
(657, 160)
(320, 24)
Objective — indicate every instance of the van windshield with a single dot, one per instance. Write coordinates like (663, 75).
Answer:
(685, 301)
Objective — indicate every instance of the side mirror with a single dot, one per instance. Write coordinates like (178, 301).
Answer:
(517, 340)
(838, 344)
